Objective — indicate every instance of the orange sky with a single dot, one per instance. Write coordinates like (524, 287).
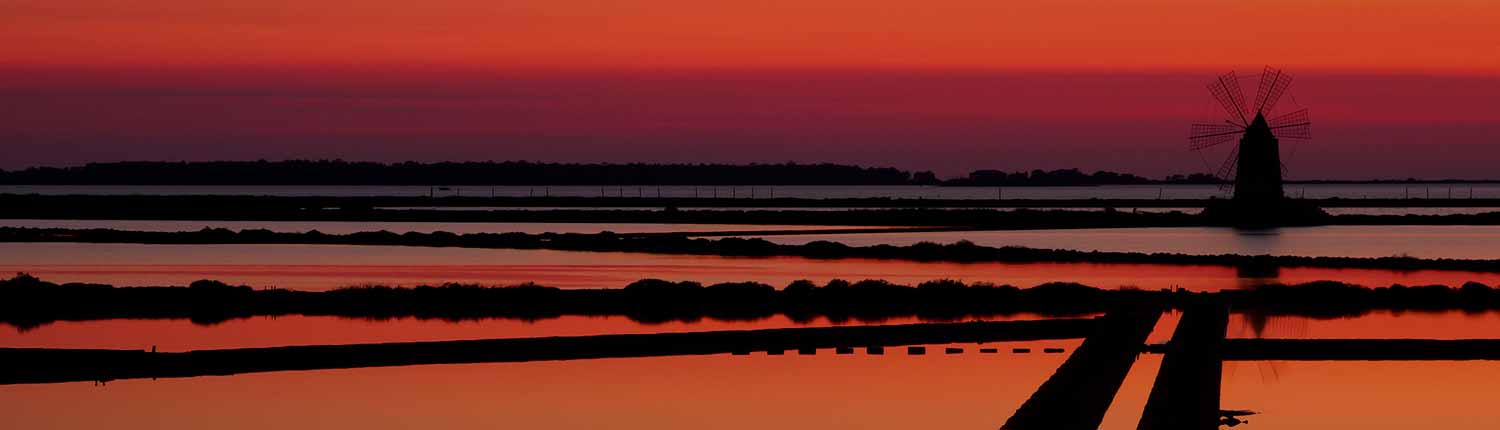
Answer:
(1446, 35)
(1406, 88)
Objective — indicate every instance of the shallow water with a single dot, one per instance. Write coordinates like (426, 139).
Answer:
(1189, 210)
(320, 267)
(1458, 241)
(1452, 324)
(1411, 211)
(173, 335)
(182, 335)
(346, 227)
(967, 390)
(1296, 395)
(1452, 241)
(894, 391)
(1311, 191)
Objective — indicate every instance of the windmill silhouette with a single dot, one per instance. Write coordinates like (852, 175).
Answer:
(1254, 167)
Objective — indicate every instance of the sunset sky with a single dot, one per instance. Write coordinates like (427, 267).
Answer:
(1397, 88)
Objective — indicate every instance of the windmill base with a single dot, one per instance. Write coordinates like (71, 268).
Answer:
(1242, 213)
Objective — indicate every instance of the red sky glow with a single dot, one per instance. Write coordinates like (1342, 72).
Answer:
(1401, 88)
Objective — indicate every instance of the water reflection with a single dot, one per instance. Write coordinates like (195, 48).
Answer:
(1381, 324)
(1257, 238)
(175, 335)
(346, 227)
(320, 267)
(1431, 241)
(1144, 192)
(1259, 325)
(894, 391)
(1366, 394)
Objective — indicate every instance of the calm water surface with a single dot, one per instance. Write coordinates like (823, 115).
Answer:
(317, 267)
(346, 227)
(1333, 211)
(966, 390)
(1298, 395)
(893, 391)
(1349, 191)
(183, 335)
(1411, 211)
(1375, 325)
(1460, 241)
(1464, 242)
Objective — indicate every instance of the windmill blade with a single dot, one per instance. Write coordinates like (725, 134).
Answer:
(1205, 135)
(1273, 83)
(1295, 117)
(1294, 125)
(1227, 170)
(1226, 89)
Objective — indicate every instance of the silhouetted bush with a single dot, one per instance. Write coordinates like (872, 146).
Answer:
(26, 301)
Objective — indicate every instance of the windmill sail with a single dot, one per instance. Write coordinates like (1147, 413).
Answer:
(1205, 135)
(1253, 169)
(1226, 170)
(1294, 125)
(1226, 89)
(1273, 84)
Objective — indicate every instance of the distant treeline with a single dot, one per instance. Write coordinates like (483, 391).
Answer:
(668, 243)
(1070, 177)
(27, 302)
(339, 172)
(248, 208)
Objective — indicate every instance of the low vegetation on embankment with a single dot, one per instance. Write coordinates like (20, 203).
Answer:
(671, 243)
(978, 214)
(855, 212)
(27, 302)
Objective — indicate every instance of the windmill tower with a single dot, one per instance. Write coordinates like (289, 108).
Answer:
(1254, 167)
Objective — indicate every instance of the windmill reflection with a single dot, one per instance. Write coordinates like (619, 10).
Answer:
(1258, 324)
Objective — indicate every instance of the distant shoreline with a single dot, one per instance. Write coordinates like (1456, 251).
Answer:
(525, 173)
(688, 244)
(957, 214)
(723, 184)
(247, 203)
